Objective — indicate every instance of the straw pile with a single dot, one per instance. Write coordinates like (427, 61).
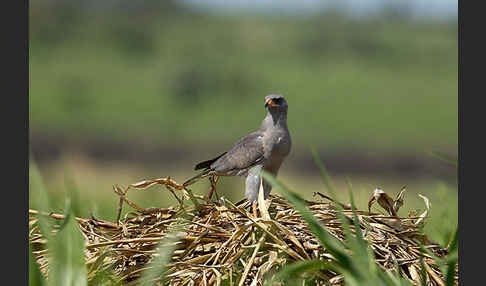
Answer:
(220, 240)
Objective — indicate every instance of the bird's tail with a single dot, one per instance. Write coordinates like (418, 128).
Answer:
(197, 178)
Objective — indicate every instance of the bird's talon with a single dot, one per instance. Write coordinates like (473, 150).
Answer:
(255, 211)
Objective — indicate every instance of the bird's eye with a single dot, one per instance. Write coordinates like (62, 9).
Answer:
(277, 100)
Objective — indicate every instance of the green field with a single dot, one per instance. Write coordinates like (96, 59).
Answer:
(378, 84)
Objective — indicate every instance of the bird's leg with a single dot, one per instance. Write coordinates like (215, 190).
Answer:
(252, 185)
(213, 182)
(216, 179)
(211, 190)
(255, 211)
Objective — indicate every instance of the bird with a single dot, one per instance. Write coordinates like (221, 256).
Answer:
(264, 149)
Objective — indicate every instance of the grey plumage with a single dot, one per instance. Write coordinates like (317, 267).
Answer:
(264, 149)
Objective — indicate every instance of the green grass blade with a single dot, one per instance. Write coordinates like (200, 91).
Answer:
(158, 266)
(333, 245)
(358, 244)
(452, 260)
(389, 279)
(67, 261)
(72, 193)
(324, 173)
(359, 247)
(359, 233)
(35, 276)
(293, 270)
(67, 258)
(423, 272)
(99, 275)
(454, 244)
(329, 185)
(444, 158)
(37, 192)
(353, 244)
(451, 270)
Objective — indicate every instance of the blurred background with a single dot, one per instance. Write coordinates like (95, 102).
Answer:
(122, 91)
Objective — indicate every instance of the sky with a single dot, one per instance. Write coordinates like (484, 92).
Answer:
(416, 8)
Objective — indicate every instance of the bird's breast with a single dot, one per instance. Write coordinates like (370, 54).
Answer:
(278, 146)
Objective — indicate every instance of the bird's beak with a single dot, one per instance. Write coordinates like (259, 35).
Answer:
(269, 102)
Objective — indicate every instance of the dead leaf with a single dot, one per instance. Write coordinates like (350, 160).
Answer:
(426, 212)
(384, 200)
(399, 199)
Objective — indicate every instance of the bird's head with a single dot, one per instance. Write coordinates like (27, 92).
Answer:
(275, 103)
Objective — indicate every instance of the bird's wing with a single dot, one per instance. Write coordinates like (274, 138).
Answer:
(207, 164)
(247, 152)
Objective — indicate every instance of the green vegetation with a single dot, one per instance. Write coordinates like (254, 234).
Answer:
(172, 77)
(66, 260)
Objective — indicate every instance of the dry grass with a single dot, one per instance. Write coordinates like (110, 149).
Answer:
(221, 241)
